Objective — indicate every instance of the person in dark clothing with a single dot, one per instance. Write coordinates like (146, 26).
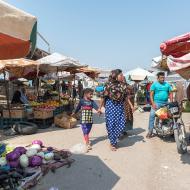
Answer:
(64, 87)
(47, 95)
(74, 92)
(16, 98)
(19, 97)
(80, 89)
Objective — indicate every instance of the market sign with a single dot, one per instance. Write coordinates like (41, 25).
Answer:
(18, 32)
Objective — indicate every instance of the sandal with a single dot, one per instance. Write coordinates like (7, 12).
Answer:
(113, 148)
(89, 147)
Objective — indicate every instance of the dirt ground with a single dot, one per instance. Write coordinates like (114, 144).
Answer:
(138, 164)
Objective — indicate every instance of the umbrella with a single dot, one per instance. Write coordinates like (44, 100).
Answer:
(57, 62)
(138, 74)
(18, 32)
(177, 46)
(19, 67)
(180, 65)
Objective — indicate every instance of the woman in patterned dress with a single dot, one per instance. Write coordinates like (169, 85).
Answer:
(113, 99)
(129, 109)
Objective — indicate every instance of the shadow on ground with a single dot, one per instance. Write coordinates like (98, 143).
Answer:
(185, 158)
(96, 140)
(133, 136)
(4, 137)
(87, 172)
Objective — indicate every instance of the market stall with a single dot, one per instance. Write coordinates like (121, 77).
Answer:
(137, 76)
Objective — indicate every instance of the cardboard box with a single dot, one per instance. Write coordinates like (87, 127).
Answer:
(65, 121)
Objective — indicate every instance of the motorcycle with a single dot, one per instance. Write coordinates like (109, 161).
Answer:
(168, 122)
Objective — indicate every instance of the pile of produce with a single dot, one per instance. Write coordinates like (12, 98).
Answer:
(49, 105)
(15, 163)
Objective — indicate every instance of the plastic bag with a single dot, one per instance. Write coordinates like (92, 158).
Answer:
(78, 149)
(53, 188)
(162, 113)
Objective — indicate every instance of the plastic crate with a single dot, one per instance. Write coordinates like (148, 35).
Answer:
(61, 109)
(44, 123)
(8, 122)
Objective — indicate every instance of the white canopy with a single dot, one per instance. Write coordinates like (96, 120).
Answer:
(54, 62)
(138, 74)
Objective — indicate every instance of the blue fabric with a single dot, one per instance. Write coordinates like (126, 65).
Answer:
(161, 91)
(86, 128)
(115, 120)
(23, 98)
(99, 88)
(152, 116)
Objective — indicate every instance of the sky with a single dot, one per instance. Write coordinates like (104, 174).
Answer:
(108, 34)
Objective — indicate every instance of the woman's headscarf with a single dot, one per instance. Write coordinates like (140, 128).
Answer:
(114, 74)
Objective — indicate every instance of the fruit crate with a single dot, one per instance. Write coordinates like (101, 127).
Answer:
(44, 123)
(8, 122)
(15, 113)
(43, 114)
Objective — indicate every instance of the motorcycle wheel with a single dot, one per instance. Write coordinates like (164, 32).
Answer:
(181, 143)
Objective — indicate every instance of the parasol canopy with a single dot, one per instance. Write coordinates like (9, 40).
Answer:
(180, 65)
(19, 68)
(89, 71)
(18, 32)
(177, 46)
(138, 74)
(57, 62)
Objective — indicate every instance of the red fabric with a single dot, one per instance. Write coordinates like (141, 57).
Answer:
(12, 48)
(148, 86)
(177, 46)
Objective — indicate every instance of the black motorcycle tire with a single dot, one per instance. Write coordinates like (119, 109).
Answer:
(25, 128)
(180, 148)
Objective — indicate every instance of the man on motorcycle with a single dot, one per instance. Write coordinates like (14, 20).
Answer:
(160, 91)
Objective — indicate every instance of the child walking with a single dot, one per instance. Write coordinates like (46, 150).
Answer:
(86, 105)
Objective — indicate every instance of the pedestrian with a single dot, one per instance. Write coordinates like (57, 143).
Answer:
(113, 100)
(64, 87)
(160, 91)
(129, 109)
(148, 85)
(86, 105)
(80, 89)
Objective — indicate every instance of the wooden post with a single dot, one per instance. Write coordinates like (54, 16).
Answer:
(59, 86)
(7, 94)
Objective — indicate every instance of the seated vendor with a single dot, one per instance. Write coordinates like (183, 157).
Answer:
(20, 97)
(47, 95)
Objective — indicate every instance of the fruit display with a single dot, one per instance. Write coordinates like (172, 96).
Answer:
(49, 105)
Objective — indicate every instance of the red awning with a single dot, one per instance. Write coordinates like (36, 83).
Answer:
(177, 46)
(11, 48)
